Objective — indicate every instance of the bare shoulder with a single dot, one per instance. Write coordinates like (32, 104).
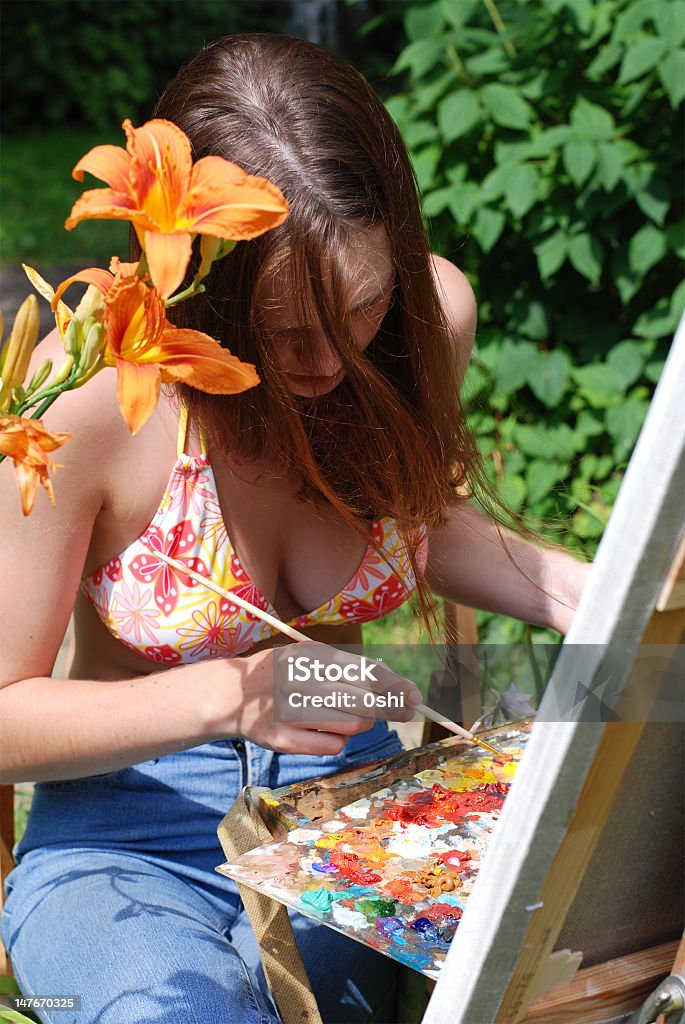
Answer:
(91, 415)
(459, 304)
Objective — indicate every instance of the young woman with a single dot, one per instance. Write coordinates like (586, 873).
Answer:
(329, 494)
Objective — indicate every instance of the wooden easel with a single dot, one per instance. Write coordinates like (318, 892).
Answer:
(575, 761)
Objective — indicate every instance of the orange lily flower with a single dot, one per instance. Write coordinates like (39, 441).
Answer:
(27, 443)
(169, 199)
(147, 350)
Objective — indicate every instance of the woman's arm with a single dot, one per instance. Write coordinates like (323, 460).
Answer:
(66, 728)
(468, 563)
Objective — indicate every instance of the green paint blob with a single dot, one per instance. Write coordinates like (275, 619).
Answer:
(320, 899)
(376, 907)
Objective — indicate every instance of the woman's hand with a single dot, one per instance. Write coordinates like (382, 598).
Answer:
(293, 715)
(566, 585)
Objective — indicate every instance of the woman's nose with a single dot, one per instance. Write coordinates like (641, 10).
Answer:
(319, 355)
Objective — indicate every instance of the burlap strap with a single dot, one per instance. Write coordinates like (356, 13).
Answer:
(242, 829)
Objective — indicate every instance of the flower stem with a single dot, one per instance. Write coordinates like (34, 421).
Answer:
(194, 289)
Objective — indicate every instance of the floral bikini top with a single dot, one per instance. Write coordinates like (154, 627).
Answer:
(158, 611)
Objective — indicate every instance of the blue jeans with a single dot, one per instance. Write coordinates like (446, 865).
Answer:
(115, 898)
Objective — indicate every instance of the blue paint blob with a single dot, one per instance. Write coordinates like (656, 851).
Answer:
(421, 924)
(389, 926)
(325, 869)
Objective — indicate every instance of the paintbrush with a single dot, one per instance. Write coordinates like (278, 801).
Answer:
(295, 634)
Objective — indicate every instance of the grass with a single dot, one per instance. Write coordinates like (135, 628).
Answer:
(36, 196)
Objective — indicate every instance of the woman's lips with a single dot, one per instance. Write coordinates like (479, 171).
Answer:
(310, 382)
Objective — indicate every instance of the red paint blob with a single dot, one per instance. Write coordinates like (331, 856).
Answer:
(348, 866)
(439, 805)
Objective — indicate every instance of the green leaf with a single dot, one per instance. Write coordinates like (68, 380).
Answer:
(645, 249)
(491, 62)
(514, 362)
(655, 200)
(675, 235)
(579, 157)
(494, 184)
(535, 323)
(458, 14)
(13, 1017)
(672, 74)
(640, 57)
(423, 20)
(521, 190)
(607, 57)
(417, 133)
(586, 255)
(513, 491)
(589, 525)
(534, 441)
(476, 381)
(419, 57)
(549, 376)
(457, 114)
(506, 106)
(633, 18)
(599, 380)
(427, 94)
(592, 121)
(487, 227)
(658, 322)
(435, 202)
(551, 254)
(670, 22)
(425, 165)
(678, 302)
(589, 425)
(463, 200)
(542, 477)
(628, 358)
(609, 165)
(623, 423)
(398, 108)
(549, 141)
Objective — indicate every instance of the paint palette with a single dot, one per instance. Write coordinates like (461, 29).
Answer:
(395, 869)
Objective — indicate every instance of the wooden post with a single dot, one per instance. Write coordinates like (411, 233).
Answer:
(6, 858)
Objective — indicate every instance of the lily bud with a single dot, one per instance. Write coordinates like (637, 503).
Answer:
(63, 372)
(73, 338)
(92, 348)
(21, 343)
(92, 305)
(40, 376)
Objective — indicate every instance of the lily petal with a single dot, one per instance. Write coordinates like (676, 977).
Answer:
(223, 200)
(28, 479)
(137, 392)
(168, 257)
(101, 202)
(160, 165)
(102, 279)
(130, 327)
(62, 314)
(198, 360)
(27, 442)
(108, 163)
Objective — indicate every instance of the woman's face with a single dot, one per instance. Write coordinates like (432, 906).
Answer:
(311, 366)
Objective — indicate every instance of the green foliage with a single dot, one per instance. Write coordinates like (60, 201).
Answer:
(93, 63)
(36, 202)
(547, 142)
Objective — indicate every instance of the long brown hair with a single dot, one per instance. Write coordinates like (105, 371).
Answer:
(391, 440)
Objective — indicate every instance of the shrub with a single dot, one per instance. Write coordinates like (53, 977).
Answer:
(546, 140)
